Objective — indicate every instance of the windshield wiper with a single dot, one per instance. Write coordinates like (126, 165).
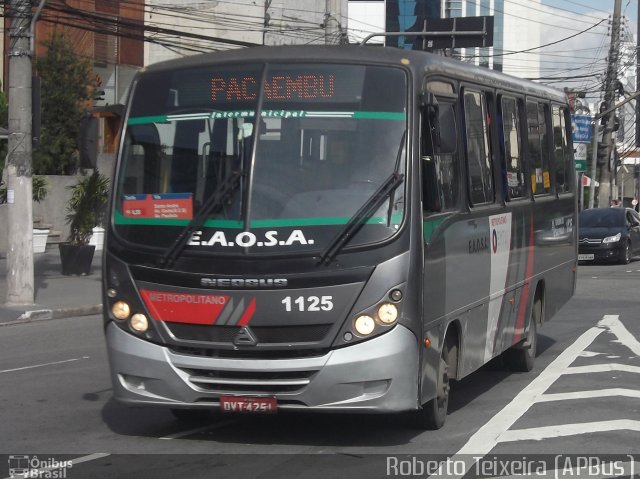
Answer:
(213, 204)
(361, 216)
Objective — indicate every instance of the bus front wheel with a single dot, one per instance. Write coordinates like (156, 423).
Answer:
(434, 413)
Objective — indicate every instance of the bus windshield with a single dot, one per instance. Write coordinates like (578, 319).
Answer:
(328, 136)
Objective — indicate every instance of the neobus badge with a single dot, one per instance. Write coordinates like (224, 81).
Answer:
(244, 282)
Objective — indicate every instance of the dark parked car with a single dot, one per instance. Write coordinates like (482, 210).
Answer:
(608, 234)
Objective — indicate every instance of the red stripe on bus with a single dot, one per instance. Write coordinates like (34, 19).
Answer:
(189, 308)
(248, 313)
(526, 289)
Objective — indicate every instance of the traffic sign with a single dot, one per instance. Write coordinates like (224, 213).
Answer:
(581, 166)
(581, 127)
(580, 151)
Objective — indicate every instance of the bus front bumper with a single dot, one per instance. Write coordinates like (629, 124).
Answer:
(378, 375)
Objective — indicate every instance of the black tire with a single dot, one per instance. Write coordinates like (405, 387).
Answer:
(193, 415)
(433, 414)
(521, 358)
(625, 254)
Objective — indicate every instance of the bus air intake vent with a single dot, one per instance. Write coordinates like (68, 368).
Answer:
(264, 334)
(248, 382)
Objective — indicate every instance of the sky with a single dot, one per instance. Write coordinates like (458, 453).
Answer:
(578, 62)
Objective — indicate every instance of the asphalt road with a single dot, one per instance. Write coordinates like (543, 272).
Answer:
(582, 398)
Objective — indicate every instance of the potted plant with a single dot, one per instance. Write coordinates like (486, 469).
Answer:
(39, 190)
(87, 201)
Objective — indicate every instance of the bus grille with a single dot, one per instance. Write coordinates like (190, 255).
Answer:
(249, 353)
(248, 382)
(264, 334)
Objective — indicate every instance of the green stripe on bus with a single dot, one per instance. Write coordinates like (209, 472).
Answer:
(378, 115)
(143, 120)
(358, 115)
(429, 226)
(119, 219)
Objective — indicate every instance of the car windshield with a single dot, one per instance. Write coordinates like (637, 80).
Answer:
(602, 218)
(328, 136)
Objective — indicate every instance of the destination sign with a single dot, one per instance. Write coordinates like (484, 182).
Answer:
(278, 87)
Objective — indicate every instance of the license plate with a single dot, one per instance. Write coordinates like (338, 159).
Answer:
(248, 404)
(585, 257)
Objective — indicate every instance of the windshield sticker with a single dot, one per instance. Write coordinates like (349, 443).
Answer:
(269, 113)
(247, 239)
(177, 206)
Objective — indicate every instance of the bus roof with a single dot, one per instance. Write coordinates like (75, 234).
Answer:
(417, 61)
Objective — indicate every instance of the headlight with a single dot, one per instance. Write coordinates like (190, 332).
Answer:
(139, 323)
(120, 310)
(612, 239)
(387, 313)
(364, 325)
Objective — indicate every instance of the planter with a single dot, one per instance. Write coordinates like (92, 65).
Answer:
(40, 239)
(97, 238)
(76, 259)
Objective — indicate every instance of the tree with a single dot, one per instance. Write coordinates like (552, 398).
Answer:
(66, 90)
(4, 123)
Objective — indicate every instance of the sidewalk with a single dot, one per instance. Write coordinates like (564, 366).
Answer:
(56, 296)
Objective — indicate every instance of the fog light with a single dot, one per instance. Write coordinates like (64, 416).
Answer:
(388, 313)
(364, 325)
(120, 310)
(112, 293)
(139, 322)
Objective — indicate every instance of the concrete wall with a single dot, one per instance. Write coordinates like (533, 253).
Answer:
(52, 210)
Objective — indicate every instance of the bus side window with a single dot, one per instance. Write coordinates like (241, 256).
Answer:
(538, 148)
(440, 172)
(513, 172)
(561, 151)
(478, 154)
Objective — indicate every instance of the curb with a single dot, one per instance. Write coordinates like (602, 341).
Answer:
(47, 314)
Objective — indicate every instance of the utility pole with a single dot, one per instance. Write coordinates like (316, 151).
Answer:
(604, 194)
(638, 81)
(20, 280)
(333, 31)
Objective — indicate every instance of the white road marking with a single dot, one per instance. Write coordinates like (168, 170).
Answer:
(43, 365)
(497, 428)
(218, 425)
(625, 337)
(602, 368)
(589, 354)
(560, 430)
(486, 437)
(597, 393)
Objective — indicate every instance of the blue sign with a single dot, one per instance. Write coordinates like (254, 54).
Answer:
(582, 128)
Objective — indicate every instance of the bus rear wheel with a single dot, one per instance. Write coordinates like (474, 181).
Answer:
(434, 413)
(522, 357)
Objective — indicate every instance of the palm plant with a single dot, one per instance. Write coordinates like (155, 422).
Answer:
(88, 198)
